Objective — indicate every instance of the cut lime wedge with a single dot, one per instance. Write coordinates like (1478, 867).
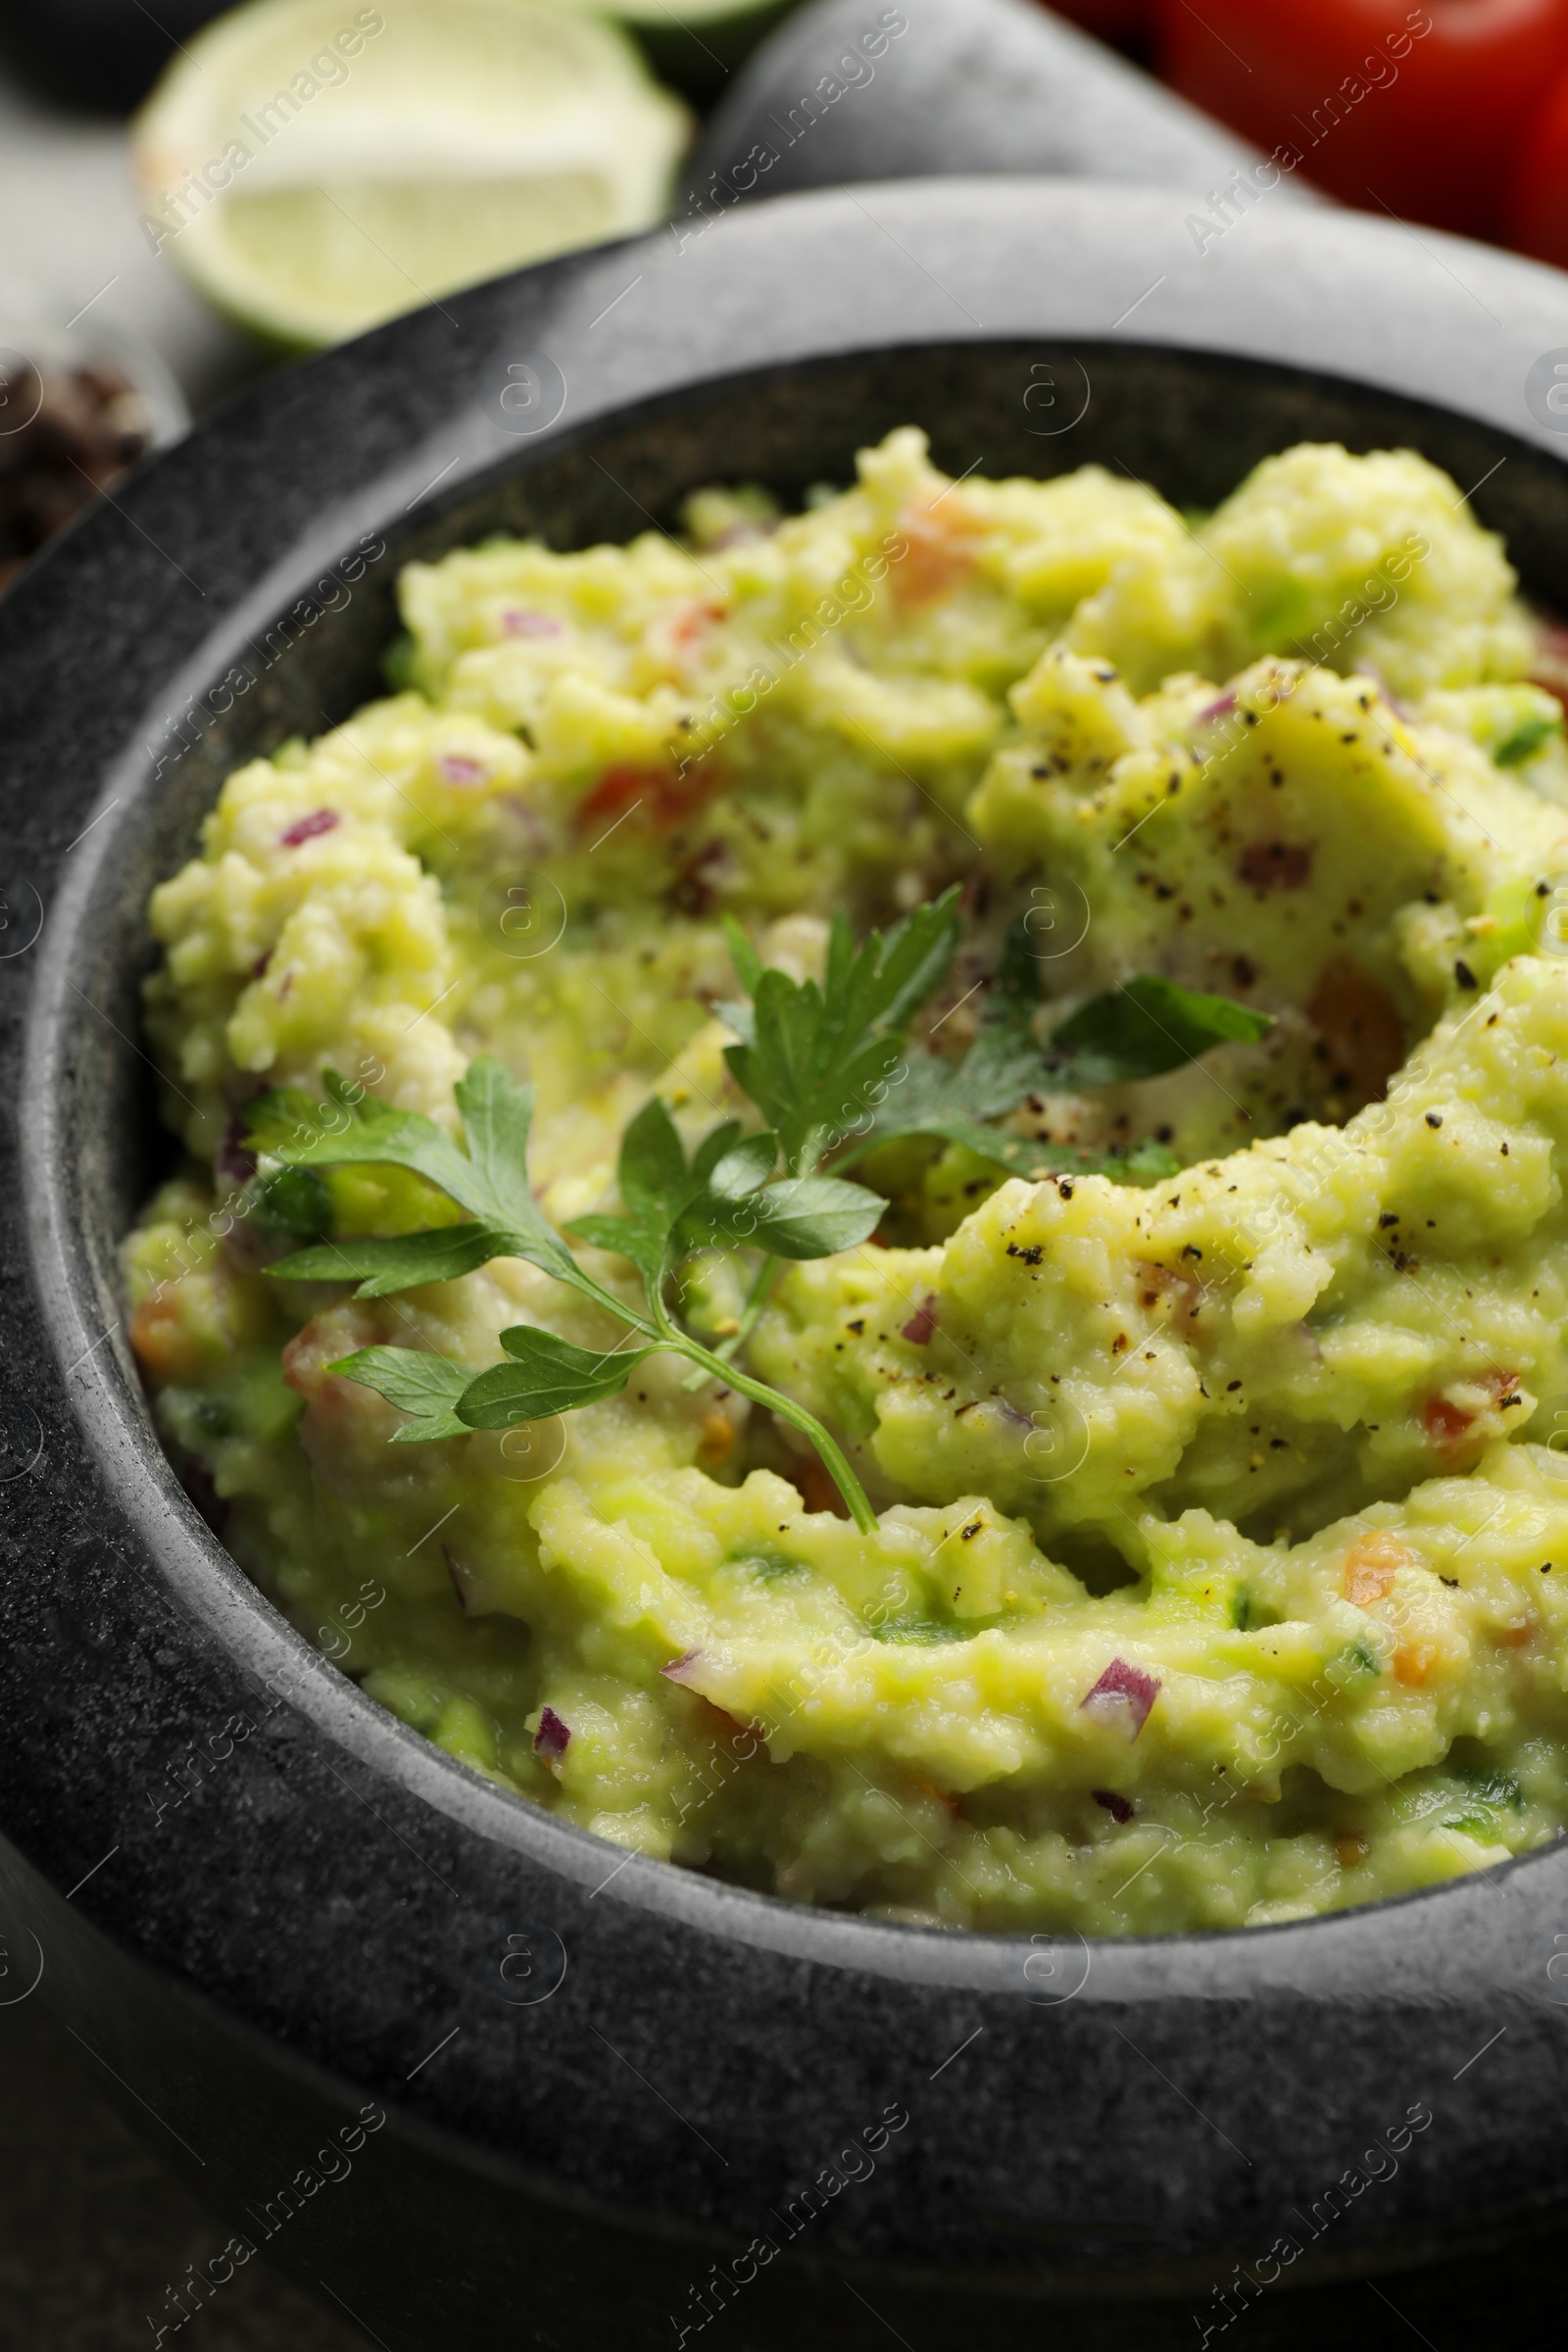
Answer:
(316, 169)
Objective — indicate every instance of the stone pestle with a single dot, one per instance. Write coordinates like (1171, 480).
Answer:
(849, 90)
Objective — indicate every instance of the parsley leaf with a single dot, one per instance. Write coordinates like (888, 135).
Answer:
(1140, 1031)
(497, 1114)
(723, 1198)
(826, 1067)
(425, 1386)
(811, 1057)
(800, 1217)
(401, 1262)
(1003, 1064)
(656, 1185)
(354, 1129)
(489, 1180)
(1143, 1030)
(545, 1376)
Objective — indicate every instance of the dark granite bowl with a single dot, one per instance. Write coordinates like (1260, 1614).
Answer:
(259, 1900)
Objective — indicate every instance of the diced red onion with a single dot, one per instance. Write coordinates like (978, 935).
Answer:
(1118, 1807)
(1220, 710)
(515, 622)
(456, 768)
(259, 967)
(552, 1740)
(680, 1670)
(234, 1163)
(306, 828)
(1123, 1694)
(923, 1322)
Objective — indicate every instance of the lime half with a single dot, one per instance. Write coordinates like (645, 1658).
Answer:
(316, 169)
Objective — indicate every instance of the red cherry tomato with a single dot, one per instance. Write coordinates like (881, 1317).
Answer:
(1415, 110)
(1538, 203)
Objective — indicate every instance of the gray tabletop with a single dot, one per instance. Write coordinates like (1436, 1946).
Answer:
(93, 2231)
(70, 225)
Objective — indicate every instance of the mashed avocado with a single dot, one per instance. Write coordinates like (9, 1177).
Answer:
(1220, 1570)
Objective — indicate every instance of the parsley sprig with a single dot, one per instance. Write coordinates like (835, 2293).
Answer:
(727, 1195)
(827, 1066)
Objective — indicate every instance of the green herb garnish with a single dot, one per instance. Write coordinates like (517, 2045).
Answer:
(727, 1196)
(1139, 1031)
(1492, 1784)
(812, 1058)
(490, 1180)
(1145, 1029)
(924, 1633)
(1525, 740)
(826, 1067)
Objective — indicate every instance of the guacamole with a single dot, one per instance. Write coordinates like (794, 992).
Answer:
(1219, 1570)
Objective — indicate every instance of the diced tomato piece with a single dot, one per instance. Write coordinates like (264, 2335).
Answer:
(1447, 1424)
(660, 795)
(1276, 866)
(327, 1338)
(1370, 1567)
(1416, 1662)
(923, 1323)
(718, 1437)
(617, 792)
(695, 622)
(165, 1348)
(939, 553)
